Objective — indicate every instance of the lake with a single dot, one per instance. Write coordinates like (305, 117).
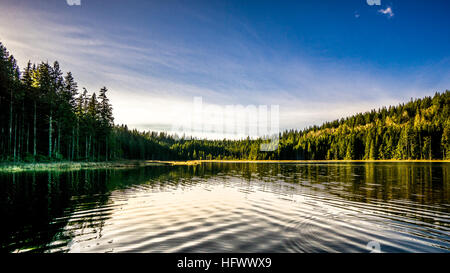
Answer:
(230, 207)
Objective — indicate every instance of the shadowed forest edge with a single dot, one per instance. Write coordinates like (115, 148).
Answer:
(45, 117)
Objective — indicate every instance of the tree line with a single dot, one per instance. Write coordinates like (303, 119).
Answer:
(417, 130)
(44, 116)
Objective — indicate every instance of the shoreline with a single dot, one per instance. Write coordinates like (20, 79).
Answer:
(120, 164)
(74, 165)
(327, 161)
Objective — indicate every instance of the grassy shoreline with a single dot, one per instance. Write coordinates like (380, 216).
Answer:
(324, 161)
(71, 165)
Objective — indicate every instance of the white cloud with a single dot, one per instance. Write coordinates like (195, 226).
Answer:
(387, 11)
(150, 80)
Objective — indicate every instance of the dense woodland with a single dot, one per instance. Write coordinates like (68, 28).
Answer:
(44, 116)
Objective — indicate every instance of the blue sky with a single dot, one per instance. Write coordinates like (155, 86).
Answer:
(317, 60)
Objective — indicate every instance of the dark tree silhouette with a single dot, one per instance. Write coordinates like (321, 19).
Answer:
(43, 117)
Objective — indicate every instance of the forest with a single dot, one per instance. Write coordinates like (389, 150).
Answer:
(44, 116)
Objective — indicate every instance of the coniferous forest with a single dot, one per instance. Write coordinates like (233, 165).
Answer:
(45, 116)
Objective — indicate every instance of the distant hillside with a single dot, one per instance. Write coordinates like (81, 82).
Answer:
(419, 129)
(45, 117)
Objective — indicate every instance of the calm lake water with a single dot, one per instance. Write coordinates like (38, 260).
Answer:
(230, 207)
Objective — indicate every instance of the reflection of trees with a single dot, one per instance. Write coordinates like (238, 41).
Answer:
(37, 206)
(45, 210)
(29, 202)
(417, 184)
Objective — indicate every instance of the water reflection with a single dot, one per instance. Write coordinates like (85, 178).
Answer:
(229, 207)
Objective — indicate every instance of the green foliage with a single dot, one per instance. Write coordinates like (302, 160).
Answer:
(419, 129)
(43, 117)
(41, 114)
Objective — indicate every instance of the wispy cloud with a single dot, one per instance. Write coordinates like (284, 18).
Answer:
(387, 11)
(153, 81)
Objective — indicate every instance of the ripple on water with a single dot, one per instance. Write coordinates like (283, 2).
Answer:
(230, 212)
(242, 217)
